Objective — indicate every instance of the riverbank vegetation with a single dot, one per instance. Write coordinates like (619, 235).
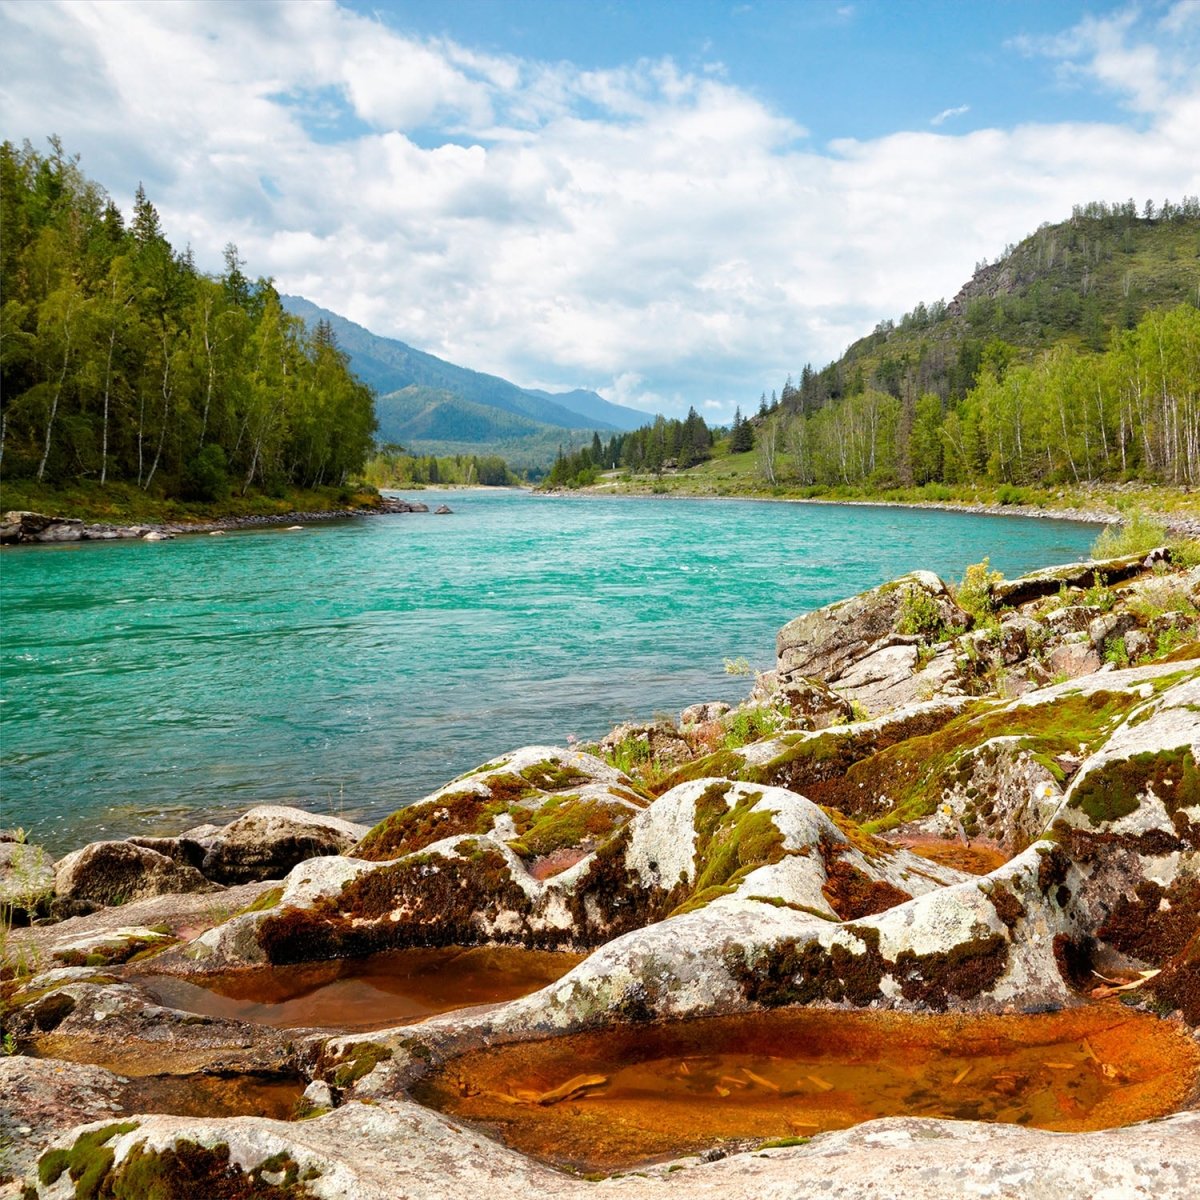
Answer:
(1067, 371)
(125, 367)
(391, 466)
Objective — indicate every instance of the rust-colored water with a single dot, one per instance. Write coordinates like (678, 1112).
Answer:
(214, 1095)
(392, 988)
(615, 1098)
(979, 858)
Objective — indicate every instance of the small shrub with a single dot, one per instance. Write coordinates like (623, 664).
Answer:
(974, 592)
(750, 725)
(1115, 652)
(1139, 534)
(919, 614)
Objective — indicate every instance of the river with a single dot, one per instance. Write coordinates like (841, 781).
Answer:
(353, 667)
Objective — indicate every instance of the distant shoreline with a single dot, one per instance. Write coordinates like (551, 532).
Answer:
(1184, 524)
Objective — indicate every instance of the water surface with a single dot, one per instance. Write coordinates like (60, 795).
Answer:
(353, 667)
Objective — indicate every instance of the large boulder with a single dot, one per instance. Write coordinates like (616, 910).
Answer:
(869, 647)
(1092, 573)
(116, 872)
(268, 841)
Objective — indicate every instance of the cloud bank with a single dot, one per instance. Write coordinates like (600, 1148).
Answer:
(657, 234)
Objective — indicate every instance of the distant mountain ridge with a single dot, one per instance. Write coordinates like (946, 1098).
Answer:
(424, 399)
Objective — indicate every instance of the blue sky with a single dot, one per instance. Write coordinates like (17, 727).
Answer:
(672, 203)
(857, 70)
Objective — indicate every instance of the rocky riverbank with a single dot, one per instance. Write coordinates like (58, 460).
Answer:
(19, 527)
(962, 809)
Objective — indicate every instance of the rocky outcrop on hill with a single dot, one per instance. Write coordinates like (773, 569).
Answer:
(775, 855)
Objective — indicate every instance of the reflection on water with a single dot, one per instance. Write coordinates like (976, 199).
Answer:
(392, 988)
(611, 1099)
(214, 1095)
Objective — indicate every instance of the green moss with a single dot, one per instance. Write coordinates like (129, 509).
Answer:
(551, 776)
(569, 821)
(731, 841)
(363, 1058)
(779, 902)
(1117, 788)
(419, 900)
(804, 972)
(268, 899)
(963, 972)
(88, 1160)
(420, 825)
(123, 951)
(190, 1171)
(904, 782)
(784, 1142)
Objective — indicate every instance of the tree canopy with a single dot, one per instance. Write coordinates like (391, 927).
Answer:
(121, 361)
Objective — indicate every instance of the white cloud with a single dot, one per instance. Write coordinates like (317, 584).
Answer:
(660, 235)
(947, 113)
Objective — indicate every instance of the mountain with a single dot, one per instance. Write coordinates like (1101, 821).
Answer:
(391, 366)
(596, 408)
(1073, 283)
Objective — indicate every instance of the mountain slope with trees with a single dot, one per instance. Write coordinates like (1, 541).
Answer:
(122, 364)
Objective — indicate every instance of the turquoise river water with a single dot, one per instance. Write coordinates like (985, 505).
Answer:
(354, 666)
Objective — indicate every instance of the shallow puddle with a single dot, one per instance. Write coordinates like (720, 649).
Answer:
(979, 858)
(612, 1099)
(381, 990)
(214, 1095)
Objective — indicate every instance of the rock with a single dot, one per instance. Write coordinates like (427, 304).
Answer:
(61, 529)
(397, 1148)
(1071, 619)
(116, 872)
(702, 714)
(825, 643)
(417, 507)
(881, 680)
(20, 525)
(1110, 625)
(1003, 791)
(442, 510)
(268, 841)
(1073, 659)
(1137, 644)
(813, 705)
(1106, 571)
(41, 1098)
(1019, 636)
(181, 914)
(26, 878)
(119, 1024)
(157, 535)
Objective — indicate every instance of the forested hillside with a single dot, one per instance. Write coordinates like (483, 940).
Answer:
(123, 363)
(1074, 358)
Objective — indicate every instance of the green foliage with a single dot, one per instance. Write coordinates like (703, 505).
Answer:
(1138, 534)
(748, 725)
(391, 466)
(629, 754)
(919, 614)
(974, 592)
(122, 362)
(88, 1160)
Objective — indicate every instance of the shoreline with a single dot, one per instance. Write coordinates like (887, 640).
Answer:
(31, 529)
(1186, 525)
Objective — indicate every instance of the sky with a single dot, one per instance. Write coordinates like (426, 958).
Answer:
(673, 203)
